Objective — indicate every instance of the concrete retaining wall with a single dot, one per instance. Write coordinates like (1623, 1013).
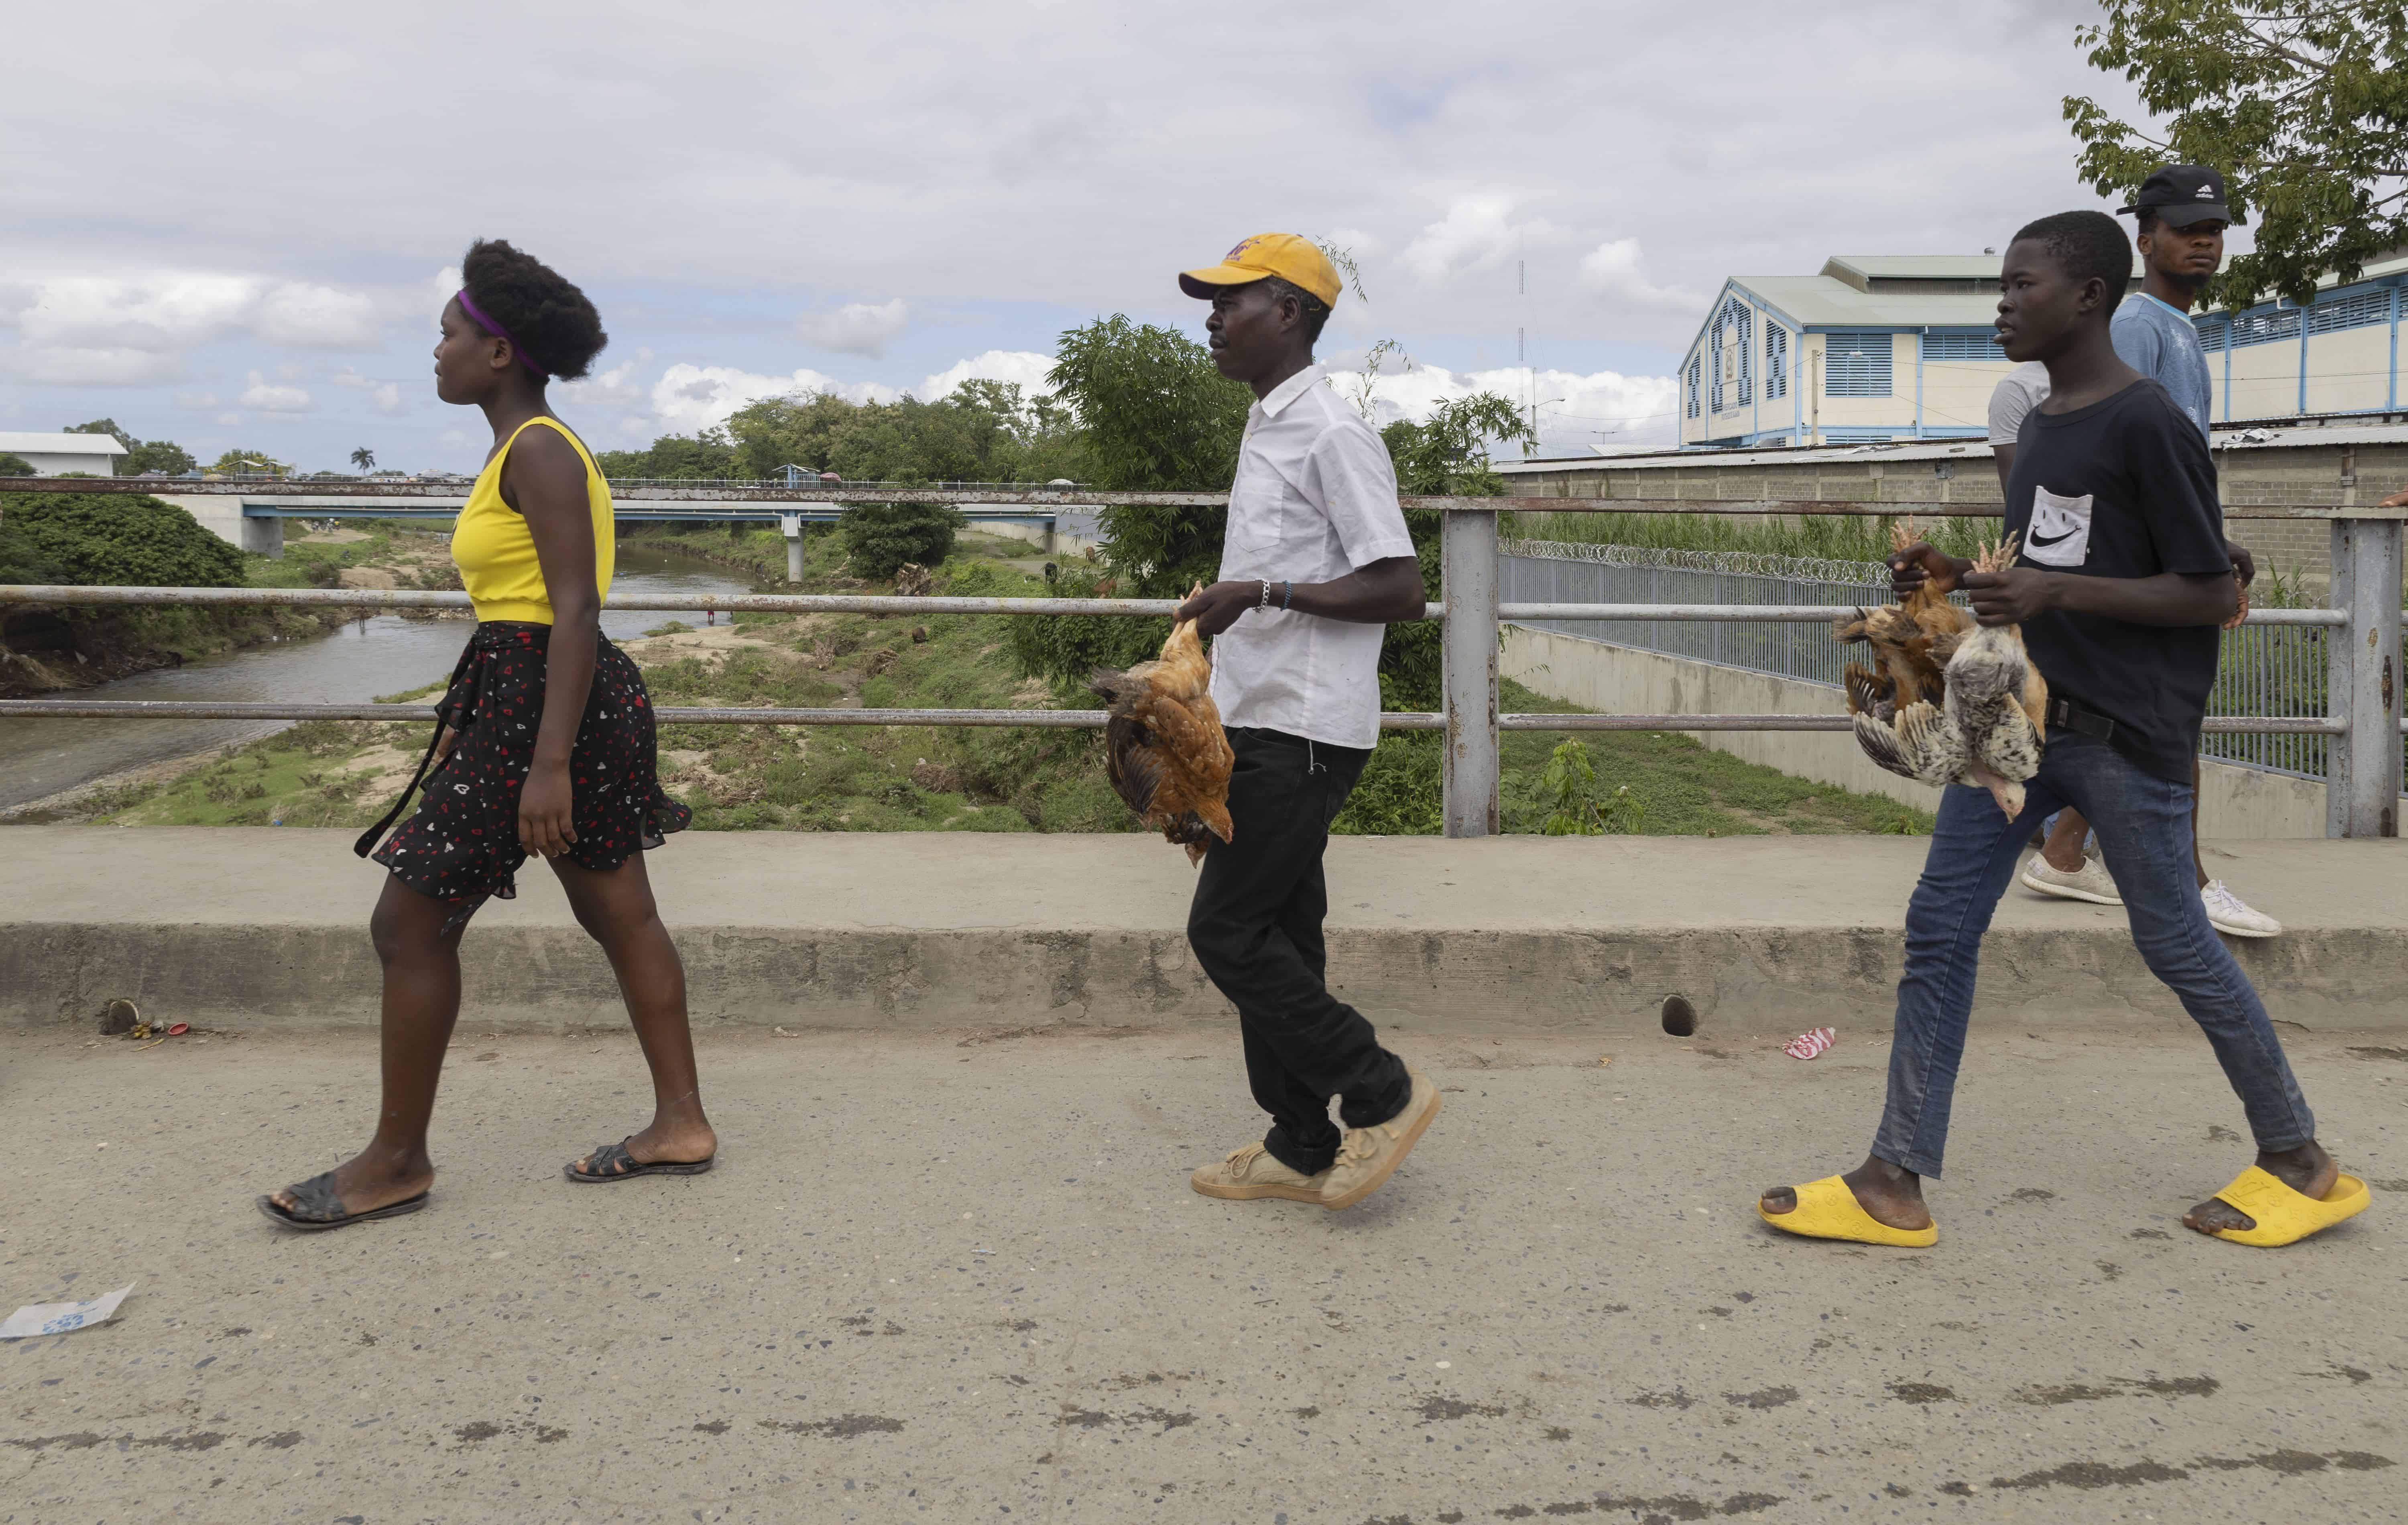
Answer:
(2239, 804)
(258, 927)
(222, 515)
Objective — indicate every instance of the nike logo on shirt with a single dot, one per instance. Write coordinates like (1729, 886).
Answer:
(2049, 540)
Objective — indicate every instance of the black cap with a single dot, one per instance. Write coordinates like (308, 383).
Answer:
(2181, 194)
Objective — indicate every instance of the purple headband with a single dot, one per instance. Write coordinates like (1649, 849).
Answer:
(469, 306)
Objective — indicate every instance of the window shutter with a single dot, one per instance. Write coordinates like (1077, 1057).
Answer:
(2361, 308)
(1856, 362)
(1776, 361)
(1962, 345)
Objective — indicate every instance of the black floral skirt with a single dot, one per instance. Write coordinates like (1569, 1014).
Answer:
(462, 846)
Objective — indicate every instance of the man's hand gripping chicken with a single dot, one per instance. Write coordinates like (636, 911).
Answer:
(1988, 726)
(1164, 748)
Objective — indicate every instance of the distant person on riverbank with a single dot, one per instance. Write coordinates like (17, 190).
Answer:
(545, 746)
(1315, 563)
(2120, 581)
(2182, 216)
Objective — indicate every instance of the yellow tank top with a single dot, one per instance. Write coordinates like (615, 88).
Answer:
(495, 550)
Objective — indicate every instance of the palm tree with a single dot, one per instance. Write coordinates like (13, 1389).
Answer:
(365, 459)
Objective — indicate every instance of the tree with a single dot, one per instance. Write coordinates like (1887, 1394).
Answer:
(240, 462)
(89, 538)
(2304, 104)
(1444, 455)
(108, 427)
(365, 459)
(165, 457)
(878, 537)
(15, 466)
(1154, 414)
(673, 457)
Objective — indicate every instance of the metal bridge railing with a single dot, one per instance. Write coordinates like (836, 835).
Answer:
(2361, 725)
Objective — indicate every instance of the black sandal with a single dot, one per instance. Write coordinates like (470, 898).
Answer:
(612, 1162)
(316, 1208)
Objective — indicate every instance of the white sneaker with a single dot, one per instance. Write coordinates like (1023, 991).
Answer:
(2233, 917)
(2089, 883)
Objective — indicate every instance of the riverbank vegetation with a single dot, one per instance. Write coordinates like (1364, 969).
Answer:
(962, 779)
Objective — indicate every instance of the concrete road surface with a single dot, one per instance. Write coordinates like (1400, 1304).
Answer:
(948, 1280)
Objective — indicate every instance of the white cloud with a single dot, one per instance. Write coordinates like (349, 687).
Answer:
(199, 402)
(1617, 268)
(317, 317)
(265, 396)
(54, 365)
(615, 388)
(854, 328)
(688, 397)
(1356, 242)
(158, 312)
(1575, 409)
(384, 396)
(1476, 234)
(1025, 366)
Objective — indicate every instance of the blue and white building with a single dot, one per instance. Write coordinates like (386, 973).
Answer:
(1898, 347)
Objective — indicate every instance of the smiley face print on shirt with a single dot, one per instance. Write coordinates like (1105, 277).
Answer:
(2059, 534)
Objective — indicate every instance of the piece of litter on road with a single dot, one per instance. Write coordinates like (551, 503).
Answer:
(59, 1317)
(1811, 1044)
(1606, 1060)
(982, 1251)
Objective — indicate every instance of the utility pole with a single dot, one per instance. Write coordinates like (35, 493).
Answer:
(1522, 353)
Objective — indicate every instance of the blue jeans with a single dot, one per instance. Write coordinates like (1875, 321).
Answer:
(2144, 827)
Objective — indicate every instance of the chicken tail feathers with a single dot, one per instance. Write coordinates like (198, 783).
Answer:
(1881, 743)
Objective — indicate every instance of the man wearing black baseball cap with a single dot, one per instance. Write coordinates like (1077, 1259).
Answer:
(2183, 212)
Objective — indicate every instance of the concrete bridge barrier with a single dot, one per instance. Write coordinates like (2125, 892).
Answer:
(267, 927)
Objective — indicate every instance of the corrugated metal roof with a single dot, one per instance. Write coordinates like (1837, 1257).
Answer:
(1826, 300)
(2293, 437)
(60, 444)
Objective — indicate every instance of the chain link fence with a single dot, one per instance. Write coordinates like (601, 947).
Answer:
(2266, 669)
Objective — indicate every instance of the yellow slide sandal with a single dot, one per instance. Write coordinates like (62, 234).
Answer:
(1826, 1209)
(2286, 1216)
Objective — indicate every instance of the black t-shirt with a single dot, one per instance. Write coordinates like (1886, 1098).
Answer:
(2122, 488)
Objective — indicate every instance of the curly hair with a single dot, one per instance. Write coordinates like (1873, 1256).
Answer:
(2086, 244)
(550, 317)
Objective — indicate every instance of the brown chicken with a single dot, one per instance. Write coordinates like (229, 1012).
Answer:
(1164, 748)
(1912, 642)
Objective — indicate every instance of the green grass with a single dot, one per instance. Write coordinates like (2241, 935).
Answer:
(972, 779)
(1685, 788)
(1835, 538)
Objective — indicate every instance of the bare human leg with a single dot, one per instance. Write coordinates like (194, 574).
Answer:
(2063, 847)
(617, 910)
(1889, 1193)
(422, 1001)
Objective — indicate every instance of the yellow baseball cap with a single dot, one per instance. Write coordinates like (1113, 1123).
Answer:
(1290, 256)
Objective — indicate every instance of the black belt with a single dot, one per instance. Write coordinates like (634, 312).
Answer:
(2080, 720)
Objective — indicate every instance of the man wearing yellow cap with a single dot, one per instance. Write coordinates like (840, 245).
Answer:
(1315, 563)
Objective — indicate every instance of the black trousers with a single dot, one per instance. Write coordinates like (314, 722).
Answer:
(1255, 926)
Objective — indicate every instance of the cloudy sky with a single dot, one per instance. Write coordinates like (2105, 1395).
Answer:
(232, 224)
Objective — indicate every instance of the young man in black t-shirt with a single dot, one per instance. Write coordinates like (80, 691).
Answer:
(2121, 583)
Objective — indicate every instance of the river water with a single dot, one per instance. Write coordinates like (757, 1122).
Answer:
(387, 655)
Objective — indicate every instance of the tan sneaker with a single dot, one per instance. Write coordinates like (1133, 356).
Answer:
(1254, 1171)
(1368, 1156)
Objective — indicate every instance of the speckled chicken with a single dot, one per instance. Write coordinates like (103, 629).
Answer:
(1164, 748)
(1988, 728)
(1912, 642)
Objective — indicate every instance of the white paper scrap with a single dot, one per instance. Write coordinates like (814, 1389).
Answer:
(59, 1317)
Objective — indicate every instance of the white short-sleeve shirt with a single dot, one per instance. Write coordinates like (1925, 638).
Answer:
(1314, 498)
(2018, 391)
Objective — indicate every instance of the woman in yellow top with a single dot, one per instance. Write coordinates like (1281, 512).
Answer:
(545, 746)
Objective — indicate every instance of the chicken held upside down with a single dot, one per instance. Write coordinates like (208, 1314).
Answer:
(1164, 748)
(1911, 642)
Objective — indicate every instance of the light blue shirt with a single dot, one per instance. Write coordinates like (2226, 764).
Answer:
(2158, 340)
